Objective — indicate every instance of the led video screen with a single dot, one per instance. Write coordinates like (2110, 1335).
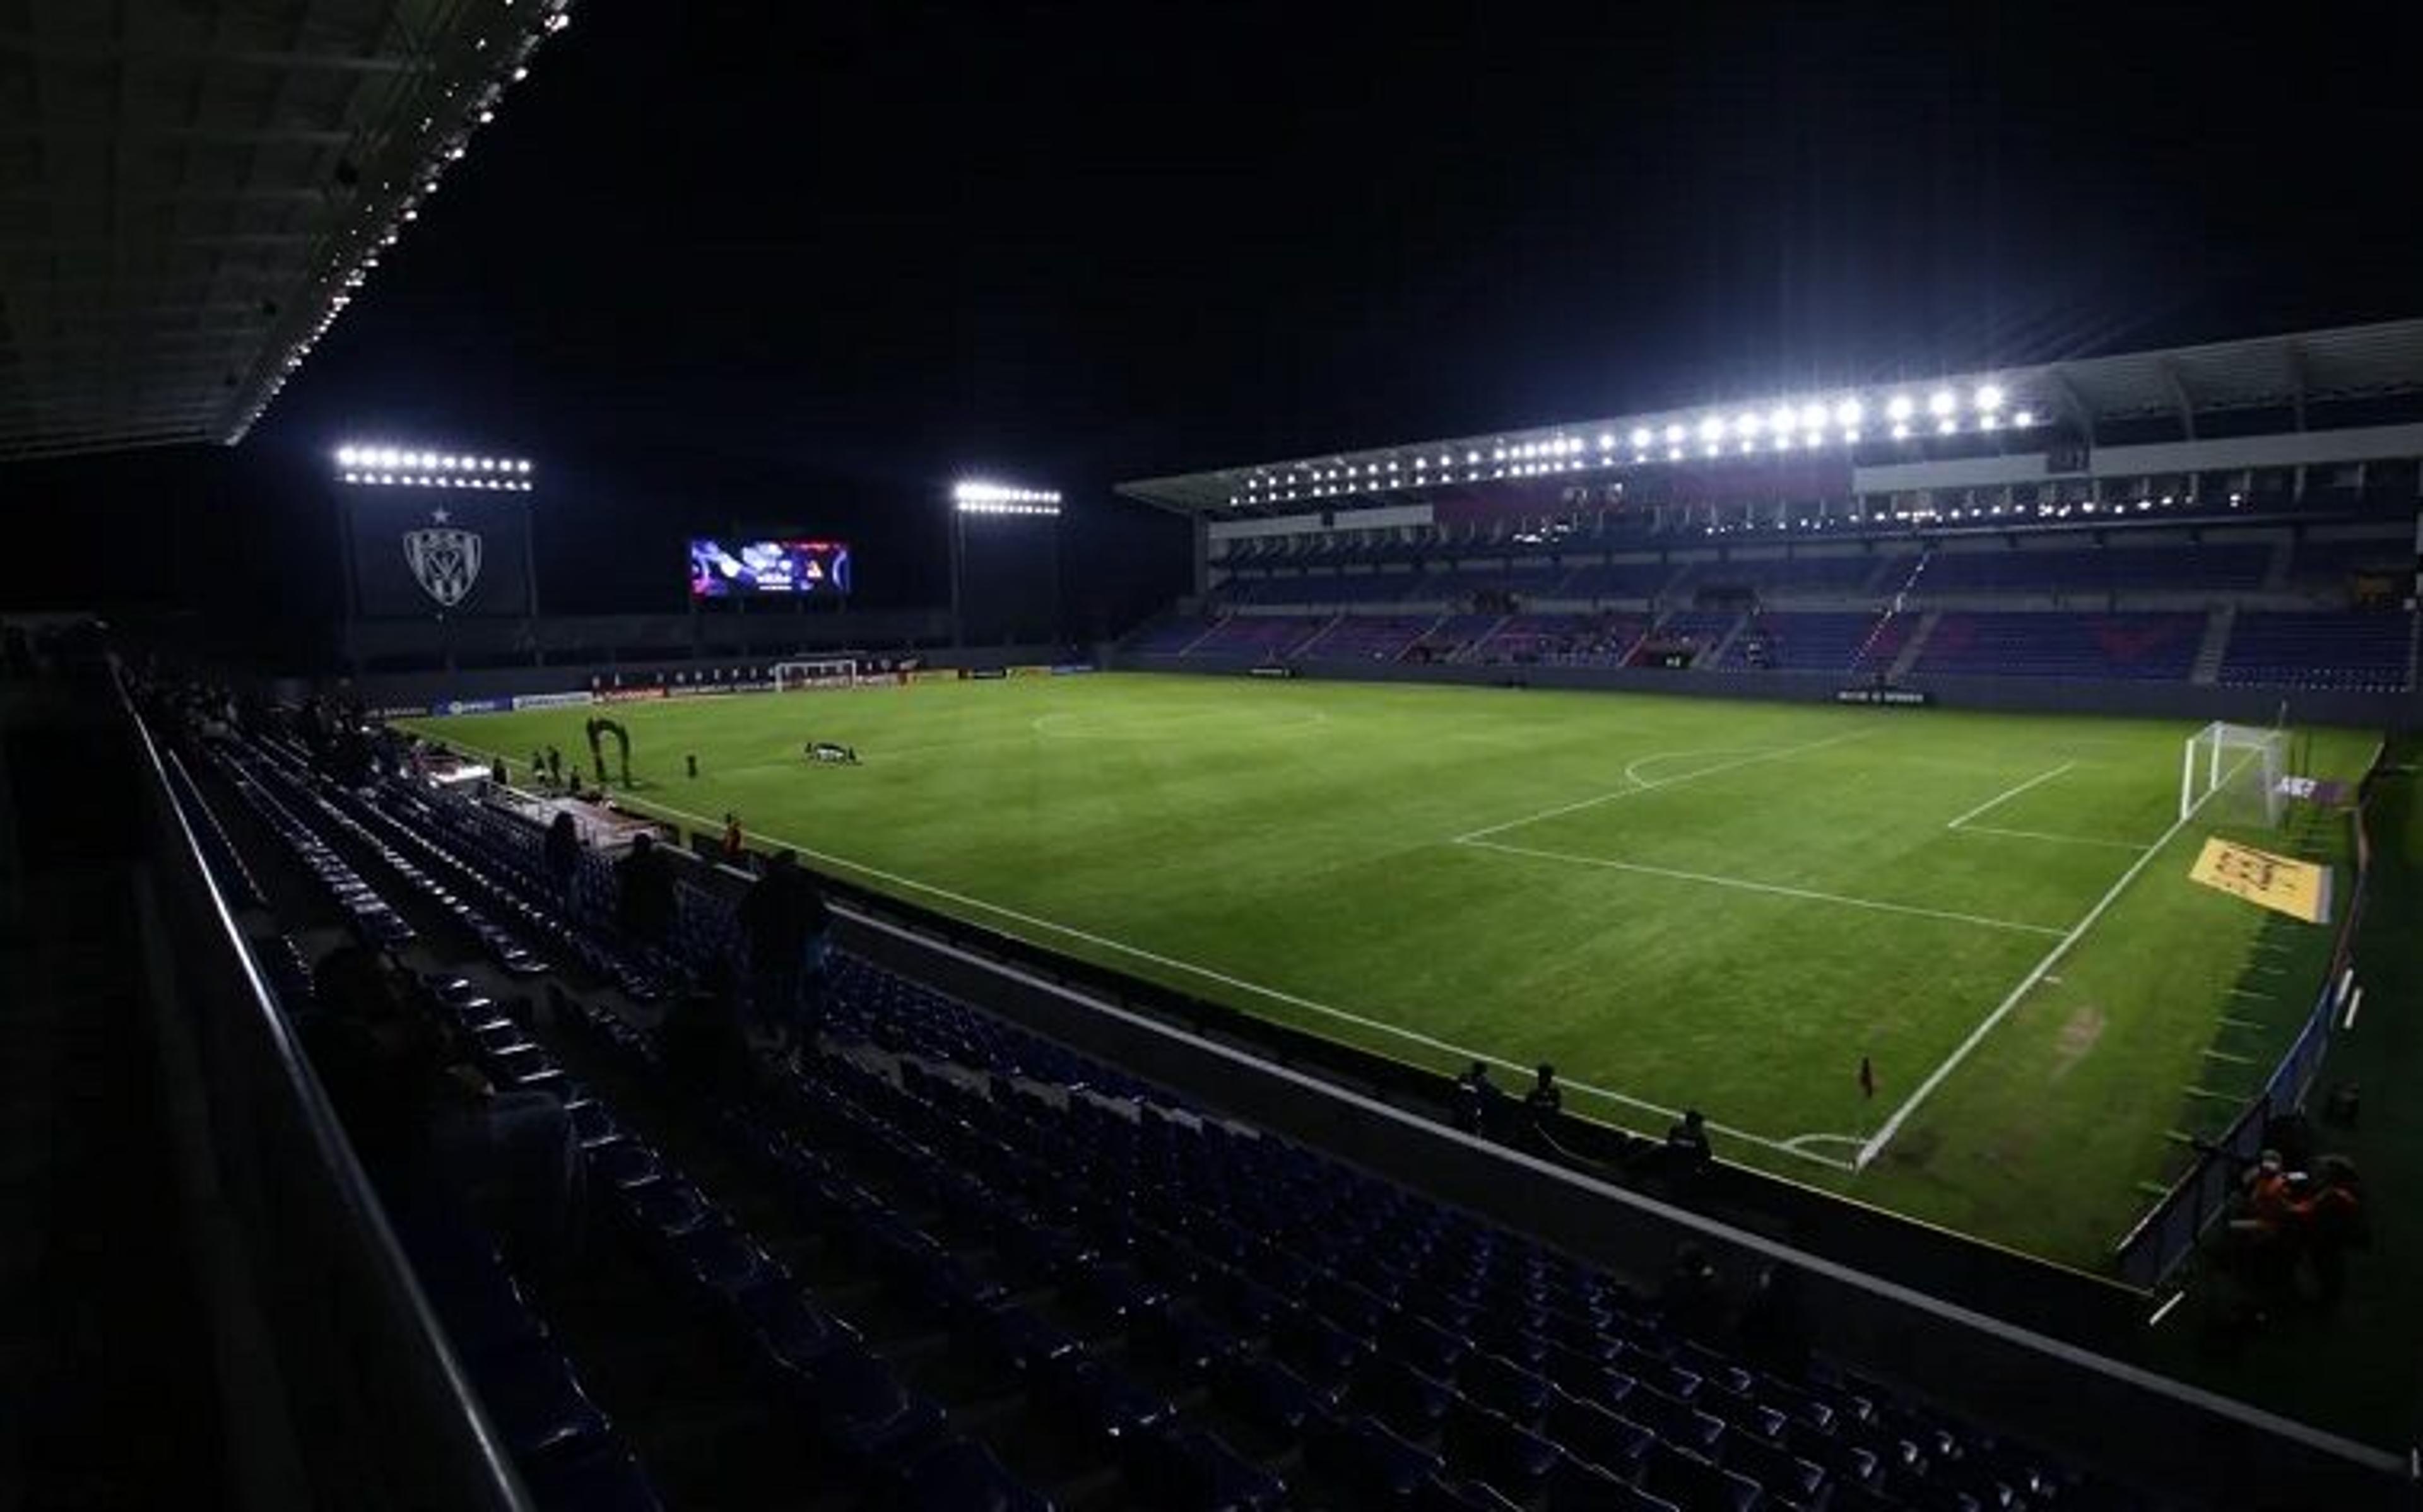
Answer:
(751, 568)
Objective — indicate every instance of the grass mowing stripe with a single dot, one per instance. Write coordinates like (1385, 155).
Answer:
(2038, 834)
(1654, 783)
(1777, 888)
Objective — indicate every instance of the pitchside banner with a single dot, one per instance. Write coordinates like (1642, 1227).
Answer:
(2284, 884)
(420, 552)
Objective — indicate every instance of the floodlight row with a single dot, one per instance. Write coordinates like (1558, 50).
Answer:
(383, 206)
(966, 507)
(1809, 426)
(966, 495)
(389, 459)
(517, 485)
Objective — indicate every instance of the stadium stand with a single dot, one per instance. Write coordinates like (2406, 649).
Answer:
(2367, 650)
(2176, 568)
(1369, 637)
(1176, 1303)
(1256, 635)
(1595, 639)
(1805, 643)
(1790, 575)
(2012, 644)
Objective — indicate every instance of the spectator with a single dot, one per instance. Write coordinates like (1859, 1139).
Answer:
(1534, 1119)
(733, 852)
(1694, 1295)
(538, 767)
(1474, 1101)
(644, 904)
(562, 854)
(1687, 1152)
(783, 922)
(1774, 1328)
(2334, 1223)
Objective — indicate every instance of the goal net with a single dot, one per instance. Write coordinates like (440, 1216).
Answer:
(838, 671)
(2230, 775)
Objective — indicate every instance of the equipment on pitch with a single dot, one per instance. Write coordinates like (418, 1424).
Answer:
(2230, 774)
(831, 751)
(835, 671)
(598, 729)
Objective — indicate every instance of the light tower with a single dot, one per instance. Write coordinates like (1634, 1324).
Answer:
(421, 528)
(981, 497)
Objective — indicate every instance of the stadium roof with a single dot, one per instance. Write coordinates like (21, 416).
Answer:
(2183, 382)
(192, 190)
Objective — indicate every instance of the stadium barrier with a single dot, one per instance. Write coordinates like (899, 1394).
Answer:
(2164, 1239)
(344, 1390)
(2018, 695)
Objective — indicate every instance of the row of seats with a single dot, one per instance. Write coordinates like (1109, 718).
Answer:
(2007, 644)
(1395, 1344)
(2367, 650)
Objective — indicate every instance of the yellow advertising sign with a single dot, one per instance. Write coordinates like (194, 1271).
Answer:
(2282, 884)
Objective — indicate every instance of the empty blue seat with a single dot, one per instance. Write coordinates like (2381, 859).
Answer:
(537, 1405)
(956, 1475)
(1189, 1470)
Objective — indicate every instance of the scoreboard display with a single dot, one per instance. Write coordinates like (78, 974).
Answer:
(751, 569)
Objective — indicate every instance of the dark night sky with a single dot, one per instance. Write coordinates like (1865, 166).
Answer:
(797, 264)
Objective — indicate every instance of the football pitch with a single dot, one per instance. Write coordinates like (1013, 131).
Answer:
(1681, 902)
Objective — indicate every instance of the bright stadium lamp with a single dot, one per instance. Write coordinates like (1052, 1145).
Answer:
(1847, 413)
(1780, 418)
(1641, 437)
(1811, 416)
(1989, 398)
(1900, 408)
(2024, 418)
(1712, 429)
(1941, 402)
(1745, 426)
(1673, 435)
(384, 467)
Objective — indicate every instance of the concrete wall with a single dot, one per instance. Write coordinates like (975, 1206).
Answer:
(2018, 695)
(384, 689)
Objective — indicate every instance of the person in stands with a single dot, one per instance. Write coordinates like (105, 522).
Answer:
(1542, 1105)
(644, 903)
(1475, 1100)
(734, 851)
(1688, 1151)
(787, 926)
(562, 854)
(2334, 1223)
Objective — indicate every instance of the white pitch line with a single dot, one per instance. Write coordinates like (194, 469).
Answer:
(1275, 994)
(2038, 834)
(1654, 783)
(2008, 794)
(2027, 984)
(1777, 888)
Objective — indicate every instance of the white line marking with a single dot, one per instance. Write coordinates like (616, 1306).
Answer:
(1275, 995)
(1654, 783)
(2008, 794)
(2250, 992)
(2027, 984)
(2355, 1000)
(1794, 1143)
(2039, 834)
(1777, 888)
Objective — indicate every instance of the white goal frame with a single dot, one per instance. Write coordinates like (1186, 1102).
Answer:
(2216, 755)
(832, 671)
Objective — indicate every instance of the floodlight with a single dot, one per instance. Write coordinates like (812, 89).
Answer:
(1780, 418)
(1711, 429)
(1900, 433)
(2024, 418)
(1674, 433)
(1640, 436)
(1946, 426)
(1746, 425)
(1472, 459)
(1989, 397)
(346, 458)
(1811, 416)
(1851, 437)
(1900, 408)
(1606, 442)
(1847, 412)
(1674, 453)
(1941, 403)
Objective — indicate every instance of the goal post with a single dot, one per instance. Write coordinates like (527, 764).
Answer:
(2230, 773)
(831, 671)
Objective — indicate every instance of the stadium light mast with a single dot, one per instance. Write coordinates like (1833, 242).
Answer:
(445, 571)
(977, 496)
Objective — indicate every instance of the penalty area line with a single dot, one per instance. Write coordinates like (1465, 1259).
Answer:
(2061, 948)
(1273, 994)
(2008, 794)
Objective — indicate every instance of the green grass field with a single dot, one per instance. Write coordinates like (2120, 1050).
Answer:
(1678, 900)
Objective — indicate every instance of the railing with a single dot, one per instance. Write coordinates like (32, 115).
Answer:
(377, 1411)
(2169, 1232)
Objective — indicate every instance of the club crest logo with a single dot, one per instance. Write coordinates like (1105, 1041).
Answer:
(444, 558)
